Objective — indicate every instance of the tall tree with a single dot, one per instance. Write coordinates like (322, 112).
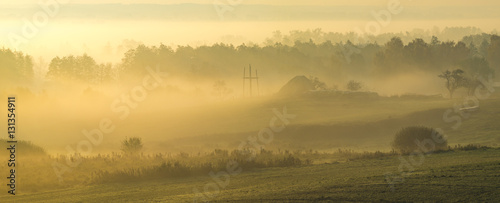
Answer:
(15, 67)
(454, 80)
(74, 68)
(392, 56)
(494, 53)
(418, 52)
(476, 67)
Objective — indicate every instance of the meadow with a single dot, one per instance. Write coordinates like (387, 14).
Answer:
(186, 101)
(461, 175)
(310, 160)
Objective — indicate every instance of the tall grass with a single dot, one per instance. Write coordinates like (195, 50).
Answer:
(36, 171)
(184, 165)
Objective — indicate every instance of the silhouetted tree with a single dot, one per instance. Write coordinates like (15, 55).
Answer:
(392, 56)
(494, 53)
(220, 89)
(471, 83)
(483, 48)
(418, 52)
(79, 68)
(476, 66)
(15, 67)
(454, 80)
(132, 145)
(353, 85)
(319, 85)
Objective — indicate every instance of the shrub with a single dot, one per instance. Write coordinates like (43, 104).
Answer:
(419, 138)
(132, 145)
(353, 85)
(27, 148)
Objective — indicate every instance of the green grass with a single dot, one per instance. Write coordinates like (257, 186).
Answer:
(369, 126)
(448, 176)
(325, 126)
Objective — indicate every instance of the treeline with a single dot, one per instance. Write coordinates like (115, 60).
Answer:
(330, 60)
(475, 54)
(15, 67)
(320, 36)
(80, 68)
(437, 56)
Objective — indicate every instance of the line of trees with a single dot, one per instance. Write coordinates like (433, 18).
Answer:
(476, 55)
(15, 66)
(326, 58)
(331, 60)
(79, 68)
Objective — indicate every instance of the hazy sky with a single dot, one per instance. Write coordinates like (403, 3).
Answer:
(281, 2)
(86, 26)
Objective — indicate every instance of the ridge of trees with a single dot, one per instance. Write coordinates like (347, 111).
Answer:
(477, 55)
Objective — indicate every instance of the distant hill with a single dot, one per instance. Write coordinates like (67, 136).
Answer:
(23, 148)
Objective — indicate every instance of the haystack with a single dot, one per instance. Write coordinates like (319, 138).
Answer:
(297, 85)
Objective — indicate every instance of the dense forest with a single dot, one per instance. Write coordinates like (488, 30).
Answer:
(331, 56)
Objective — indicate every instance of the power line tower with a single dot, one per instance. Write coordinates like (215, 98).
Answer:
(250, 78)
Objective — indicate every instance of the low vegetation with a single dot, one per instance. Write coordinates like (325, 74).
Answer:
(121, 167)
(342, 180)
(415, 138)
(132, 146)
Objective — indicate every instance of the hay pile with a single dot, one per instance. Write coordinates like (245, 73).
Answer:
(296, 86)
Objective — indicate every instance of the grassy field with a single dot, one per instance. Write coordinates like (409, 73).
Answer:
(448, 176)
(217, 125)
(328, 136)
(360, 125)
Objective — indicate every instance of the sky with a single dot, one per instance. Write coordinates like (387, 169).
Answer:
(276, 2)
(87, 26)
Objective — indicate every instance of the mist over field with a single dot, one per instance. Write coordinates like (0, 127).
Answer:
(222, 101)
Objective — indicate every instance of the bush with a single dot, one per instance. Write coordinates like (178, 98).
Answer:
(132, 145)
(27, 148)
(353, 85)
(419, 138)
